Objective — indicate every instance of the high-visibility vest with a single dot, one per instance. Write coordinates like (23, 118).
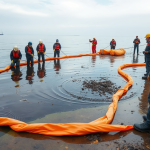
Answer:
(29, 49)
(57, 46)
(16, 54)
(41, 48)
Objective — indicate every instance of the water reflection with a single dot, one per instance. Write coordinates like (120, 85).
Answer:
(41, 72)
(143, 105)
(57, 65)
(16, 75)
(30, 74)
(93, 59)
(135, 59)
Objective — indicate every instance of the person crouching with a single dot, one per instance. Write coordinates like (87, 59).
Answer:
(29, 53)
(41, 51)
(15, 56)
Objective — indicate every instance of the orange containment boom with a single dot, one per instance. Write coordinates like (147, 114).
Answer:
(118, 52)
(100, 125)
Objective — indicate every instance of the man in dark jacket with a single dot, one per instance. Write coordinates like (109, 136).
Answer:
(41, 51)
(29, 53)
(136, 44)
(113, 44)
(15, 57)
(56, 48)
(147, 57)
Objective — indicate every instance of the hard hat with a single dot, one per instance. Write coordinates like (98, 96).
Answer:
(147, 35)
(57, 40)
(40, 41)
(93, 37)
(15, 48)
(112, 38)
(30, 43)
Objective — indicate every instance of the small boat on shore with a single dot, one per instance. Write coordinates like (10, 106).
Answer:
(1, 33)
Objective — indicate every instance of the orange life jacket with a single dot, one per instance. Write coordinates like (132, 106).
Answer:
(16, 54)
(137, 41)
(41, 48)
(113, 43)
(29, 49)
(57, 46)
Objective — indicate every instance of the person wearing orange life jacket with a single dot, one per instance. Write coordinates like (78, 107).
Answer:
(29, 53)
(15, 57)
(94, 43)
(41, 70)
(113, 44)
(136, 45)
(56, 48)
(41, 51)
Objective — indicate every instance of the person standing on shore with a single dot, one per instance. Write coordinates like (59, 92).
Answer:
(147, 57)
(29, 53)
(136, 45)
(94, 43)
(15, 57)
(113, 44)
(57, 48)
(41, 51)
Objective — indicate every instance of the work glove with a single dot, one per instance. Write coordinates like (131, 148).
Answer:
(43, 52)
(11, 61)
(32, 55)
(18, 59)
(54, 50)
(12, 73)
(38, 52)
(59, 49)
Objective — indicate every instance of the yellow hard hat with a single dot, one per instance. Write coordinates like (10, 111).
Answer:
(112, 38)
(93, 37)
(147, 35)
(40, 41)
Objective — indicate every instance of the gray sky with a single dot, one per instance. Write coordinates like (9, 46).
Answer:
(75, 17)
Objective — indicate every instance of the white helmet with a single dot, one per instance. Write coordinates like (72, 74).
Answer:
(40, 41)
(15, 48)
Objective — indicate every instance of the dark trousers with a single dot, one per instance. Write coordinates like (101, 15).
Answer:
(148, 113)
(147, 65)
(136, 46)
(15, 61)
(56, 53)
(39, 57)
(112, 47)
(29, 59)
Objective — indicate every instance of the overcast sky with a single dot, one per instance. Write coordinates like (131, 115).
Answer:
(75, 17)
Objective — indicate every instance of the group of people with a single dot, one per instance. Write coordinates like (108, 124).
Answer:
(15, 55)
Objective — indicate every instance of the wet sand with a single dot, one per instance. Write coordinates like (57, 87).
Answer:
(54, 96)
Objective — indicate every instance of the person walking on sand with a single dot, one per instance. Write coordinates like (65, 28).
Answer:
(41, 51)
(29, 53)
(136, 45)
(113, 44)
(15, 56)
(94, 43)
(147, 58)
(56, 48)
(144, 127)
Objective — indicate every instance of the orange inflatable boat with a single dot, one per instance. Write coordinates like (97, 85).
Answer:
(118, 52)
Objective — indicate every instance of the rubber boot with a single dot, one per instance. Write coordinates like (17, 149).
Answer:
(144, 77)
(144, 127)
(145, 117)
